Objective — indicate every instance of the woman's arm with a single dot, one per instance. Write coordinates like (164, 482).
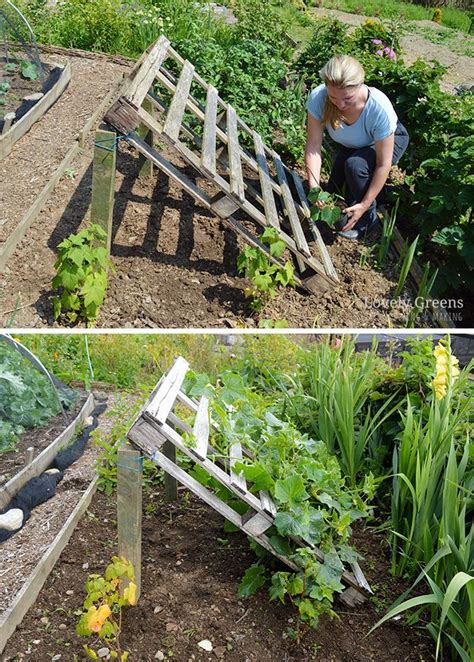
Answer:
(384, 154)
(312, 154)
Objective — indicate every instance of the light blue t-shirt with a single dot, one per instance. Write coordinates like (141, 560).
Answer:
(377, 120)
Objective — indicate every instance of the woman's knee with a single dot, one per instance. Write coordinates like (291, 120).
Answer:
(357, 166)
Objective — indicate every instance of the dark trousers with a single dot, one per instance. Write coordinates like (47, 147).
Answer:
(355, 168)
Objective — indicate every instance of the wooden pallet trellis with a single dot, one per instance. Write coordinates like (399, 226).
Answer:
(214, 151)
(157, 425)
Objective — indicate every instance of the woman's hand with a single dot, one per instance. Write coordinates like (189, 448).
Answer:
(353, 214)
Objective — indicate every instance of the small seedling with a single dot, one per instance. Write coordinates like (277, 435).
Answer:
(101, 616)
(70, 173)
(388, 226)
(266, 277)
(29, 70)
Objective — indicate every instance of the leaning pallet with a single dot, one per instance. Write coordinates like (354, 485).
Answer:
(251, 180)
(157, 433)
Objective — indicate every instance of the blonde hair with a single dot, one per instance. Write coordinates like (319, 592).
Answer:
(341, 71)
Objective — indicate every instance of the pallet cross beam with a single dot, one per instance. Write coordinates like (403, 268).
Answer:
(158, 427)
(225, 151)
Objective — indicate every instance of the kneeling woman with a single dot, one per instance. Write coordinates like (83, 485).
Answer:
(362, 120)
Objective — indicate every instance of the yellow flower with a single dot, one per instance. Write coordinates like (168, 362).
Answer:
(97, 617)
(446, 370)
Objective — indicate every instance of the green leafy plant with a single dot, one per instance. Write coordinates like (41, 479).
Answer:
(27, 398)
(324, 206)
(102, 609)
(406, 266)
(388, 225)
(29, 70)
(266, 276)
(425, 288)
(81, 274)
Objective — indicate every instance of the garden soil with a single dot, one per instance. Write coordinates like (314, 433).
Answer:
(190, 575)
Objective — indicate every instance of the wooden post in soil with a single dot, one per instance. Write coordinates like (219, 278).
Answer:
(129, 509)
(146, 169)
(103, 180)
(171, 484)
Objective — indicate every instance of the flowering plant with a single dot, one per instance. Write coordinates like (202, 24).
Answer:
(383, 50)
(447, 370)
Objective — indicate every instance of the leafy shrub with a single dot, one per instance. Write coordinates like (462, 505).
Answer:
(82, 267)
(27, 398)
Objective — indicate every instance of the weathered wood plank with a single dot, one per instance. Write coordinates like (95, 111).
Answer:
(170, 484)
(267, 503)
(208, 149)
(146, 135)
(26, 597)
(237, 479)
(44, 459)
(8, 120)
(144, 78)
(129, 510)
(201, 428)
(235, 164)
(178, 104)
(254, 523)
(264, 175)
(165, 397)
(290, 208)
(103, 181)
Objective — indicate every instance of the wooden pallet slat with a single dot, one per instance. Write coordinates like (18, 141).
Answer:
(138, 88)
(235, 164)
(161, 405)
(208, 149)
(178, 104)
(290, 208)
(267, 503)
(254, 523)
(265, 182)
(201, 429)
(237, 479)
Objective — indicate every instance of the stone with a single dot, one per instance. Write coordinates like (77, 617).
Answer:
(51, 472)
(219, 651)
(62, 626)
(34, 97)
(55, 658)
(44, 620)
(12, 519)
(159, 655)
(206, 645)
(157, 609)
(103, 652)
(171, 627)
(85, 566)
(69, 592)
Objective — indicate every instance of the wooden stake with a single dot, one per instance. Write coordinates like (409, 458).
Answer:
(171, 484)
(129, 510)
(146, 134)
(103, 180)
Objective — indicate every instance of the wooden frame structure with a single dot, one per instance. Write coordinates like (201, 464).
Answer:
(157, 433)
(250, 179)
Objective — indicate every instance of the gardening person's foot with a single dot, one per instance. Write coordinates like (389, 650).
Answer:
(360, 231)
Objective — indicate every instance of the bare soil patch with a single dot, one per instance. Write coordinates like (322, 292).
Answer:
(190, 575)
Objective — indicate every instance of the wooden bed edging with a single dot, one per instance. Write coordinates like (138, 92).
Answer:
(27, 595)
(17, 130)
(44, 459)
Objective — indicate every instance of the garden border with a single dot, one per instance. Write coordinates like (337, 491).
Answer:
(44, 459)
(27, 595)
(24, 124)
